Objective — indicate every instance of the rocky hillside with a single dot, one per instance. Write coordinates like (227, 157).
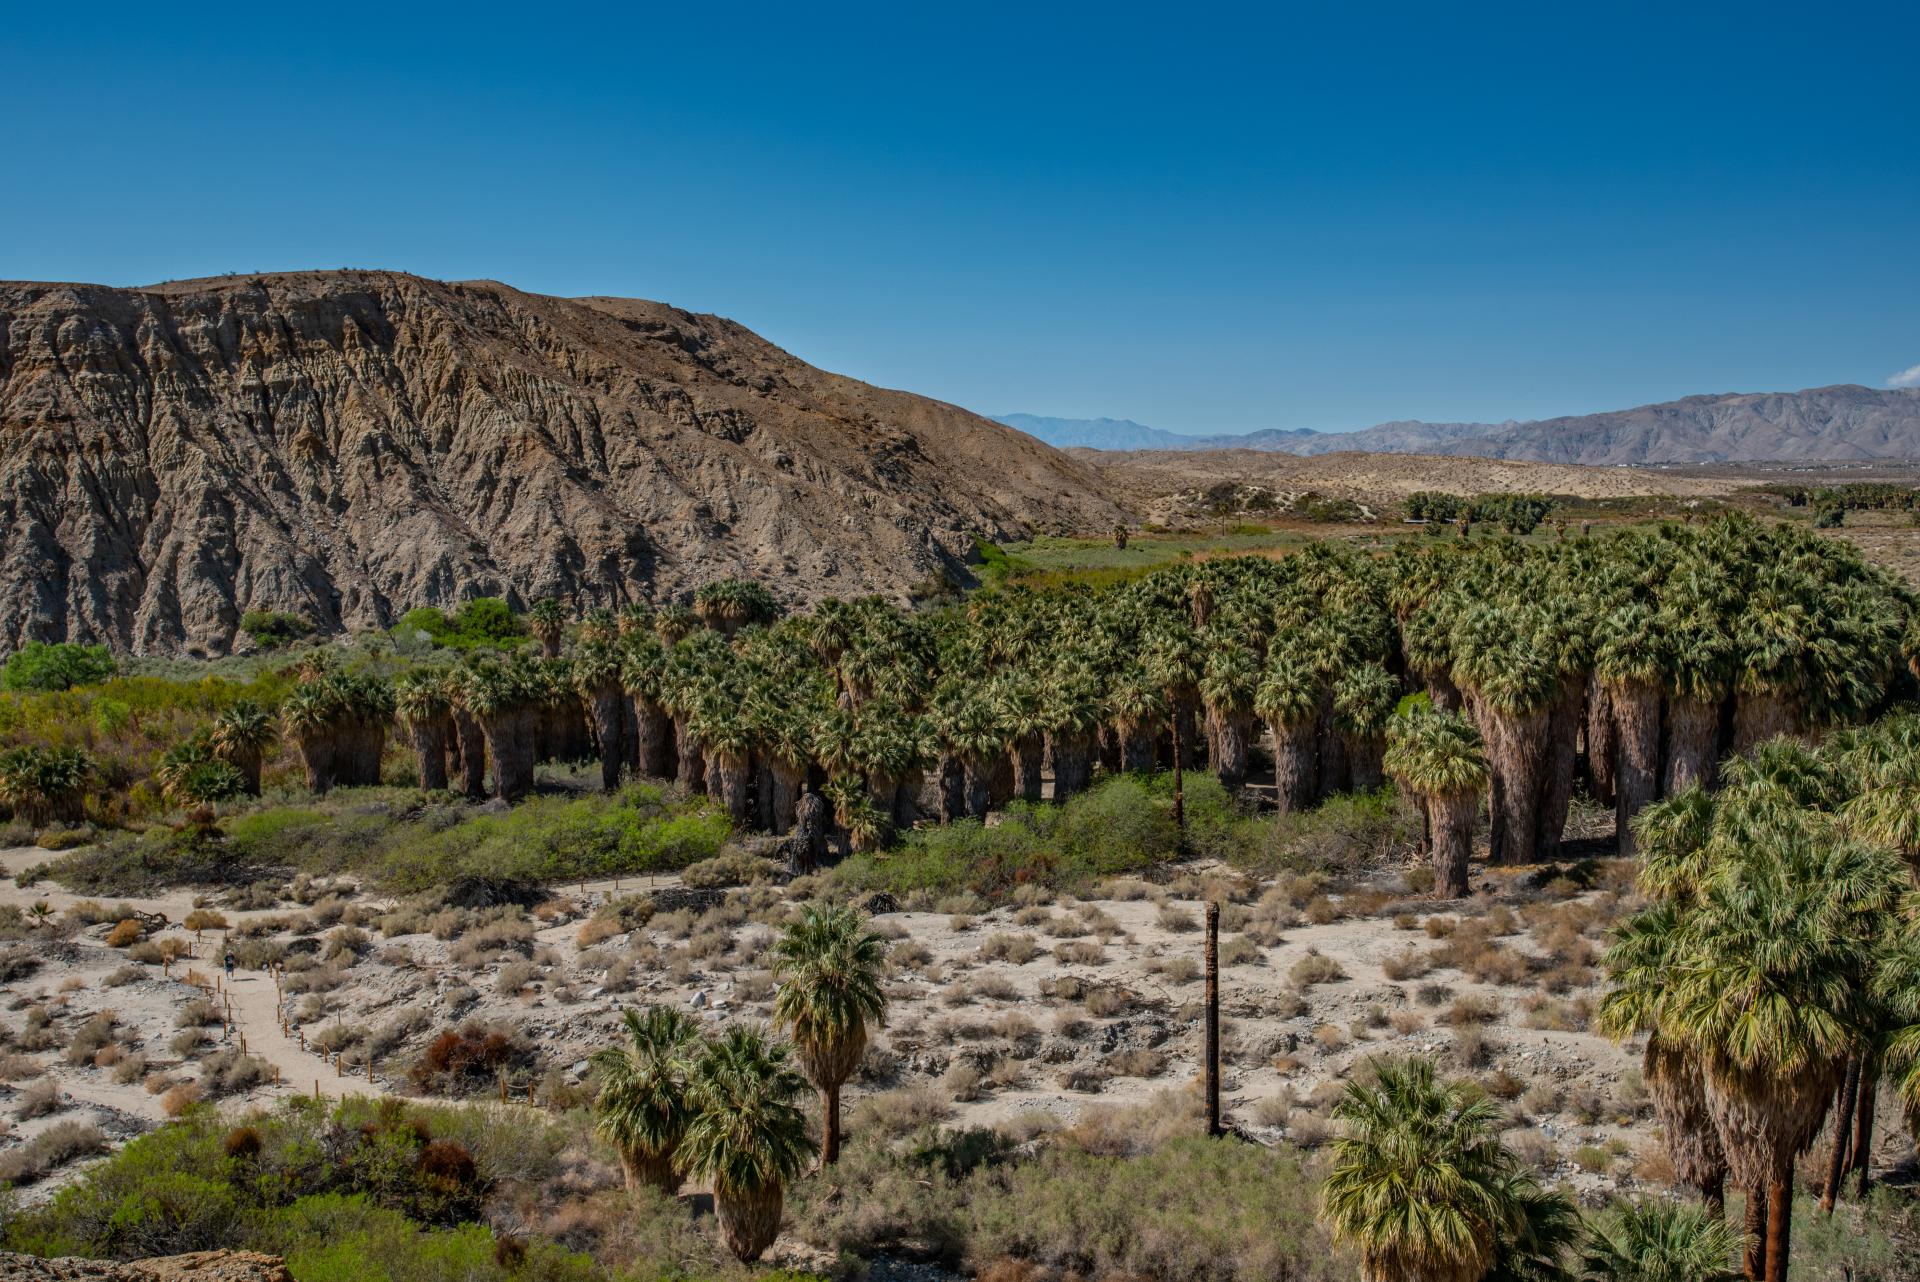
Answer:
(348, 445)
(1827, 424)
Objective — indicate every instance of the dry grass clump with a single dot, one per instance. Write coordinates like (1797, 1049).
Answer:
(1406, 1022)
(198, 1012)
(15, 1067)
(963, 1082)
(229, 1072)
(38, 1099)
(93, 1037)
(346, 941)
(1173, 917)
(1560, 1016)
(179, 1098)
(52, 1148)
(901, 1112)
(1330, 1038)
(126, 934)
(1107, 1001)
(1177, 970)
(1471, 1008)
(1080, 952)
(1238, 950)
(495, 940)
(1471, 1048)
(1017, 949)
(1408, 963)
(1315, 968)
(1139, 1062)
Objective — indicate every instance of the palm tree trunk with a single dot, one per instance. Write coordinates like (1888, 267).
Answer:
(430, 745)
(1072, 765)
(317, 754)
(1754, 1259)
(785, 794)
(749, 1221)
(829, 1125)
(473, 754)
(609, 730)
(1293, 753)
(1230, 742)
(1693, 732)
(978, 774)
(1760, 715)
(1442, 692)
(1673, 1078)
(688, 758)
(1842, 1136)
(1364, 753)
(1333, 773)
(1029, 768)
(1603, 742)
(653, 749)
(727, 781)
(1636, 706)
(1779, 1226)
(1189, 741)
(1452, 842)
(510, 743)
(1001, 782)
(953, 790)
(1136, 749)
(1863, 1110)
(1517, 752)
(1561, 765)
(247, 762)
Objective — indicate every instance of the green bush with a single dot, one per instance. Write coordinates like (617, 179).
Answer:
(271, 629)
(57, 665)
(482, 622)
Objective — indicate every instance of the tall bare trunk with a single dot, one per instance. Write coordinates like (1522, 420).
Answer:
(1842, 1136)
(1863, 1111)
(319, 757)
(1754, 1254)
(1636, 708)
(1693, 732)
(953, 789)
(829, 1124)
(1517, 752)
(1779, 1226)
(906, 798)
(727, 782)
(1442, 692)
(788, 780)
(1364, 754)
(978, 773)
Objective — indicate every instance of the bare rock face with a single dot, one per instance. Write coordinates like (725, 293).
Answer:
(348, 445)
(199, 1266)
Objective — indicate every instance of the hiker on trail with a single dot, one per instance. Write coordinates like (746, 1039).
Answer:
(229, 961)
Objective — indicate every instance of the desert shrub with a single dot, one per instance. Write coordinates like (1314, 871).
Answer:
(729, 868)
(1238, 950)
(229, 1072)
(1080, 952)
(50, 1149)
(1192, 1209)
(93, 1036)
(469, 1059)
(1408, 963)
(125, 933)
(1315, 968)
(900, 1112)
(39, 1099)
(15, 1067)
(63, 838)
(1018, 949)
(55, 665)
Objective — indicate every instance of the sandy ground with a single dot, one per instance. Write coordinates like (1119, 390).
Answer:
(1049, 1014)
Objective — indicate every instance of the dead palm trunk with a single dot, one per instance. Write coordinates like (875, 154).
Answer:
(1765, 1121)
(319, 755)
(749, 1221)
(1693, 732)
(1636, 707)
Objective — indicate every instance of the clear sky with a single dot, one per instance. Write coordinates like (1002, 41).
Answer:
(1203, 218)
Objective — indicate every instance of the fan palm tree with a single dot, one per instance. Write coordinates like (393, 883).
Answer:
(1071, 713)
(1363, 703)
(747, 1138)
(189, 774)
(1420, 1183)
(506, 697)
(643, 1105)
(1288, 698)
(547, 620)
(240, 738)
(1438, 757)
(1630, 661)
(596, 669)
(46, 785)
(423, 700)
(829, 966)
(1227, 686)
(339, 724)
(1655, 1241)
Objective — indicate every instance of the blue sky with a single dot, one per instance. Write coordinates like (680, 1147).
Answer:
(1203, 218)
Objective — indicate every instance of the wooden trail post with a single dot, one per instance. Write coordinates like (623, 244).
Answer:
(1213, 1017)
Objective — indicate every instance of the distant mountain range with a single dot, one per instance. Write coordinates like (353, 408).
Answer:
(1818, 424)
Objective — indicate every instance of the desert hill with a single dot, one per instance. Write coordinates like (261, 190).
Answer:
(1822, 424)
(349, 444)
